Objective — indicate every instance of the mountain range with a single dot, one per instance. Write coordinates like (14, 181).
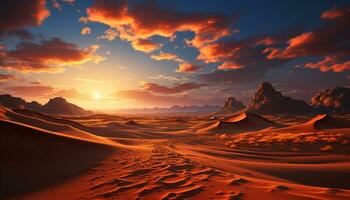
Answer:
(55, 106)
(266, 100)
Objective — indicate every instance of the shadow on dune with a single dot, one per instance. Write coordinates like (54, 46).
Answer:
(33, 158)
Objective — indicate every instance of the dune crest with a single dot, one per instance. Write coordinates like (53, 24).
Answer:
(237, 123)
(242, 156)
(325, 121)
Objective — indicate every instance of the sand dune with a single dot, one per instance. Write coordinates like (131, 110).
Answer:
(109, 157)
(319, 122)
(32, 158)
(322, 122)
(51, 124)
(133, 123)
(242, 122)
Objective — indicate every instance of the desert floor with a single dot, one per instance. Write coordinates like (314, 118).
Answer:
(166, 157)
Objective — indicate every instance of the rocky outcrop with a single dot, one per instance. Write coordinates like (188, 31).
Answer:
(269, 101)
(55, 106)
(335, 100)
(60, 106)
(231, 106)
(12, 102)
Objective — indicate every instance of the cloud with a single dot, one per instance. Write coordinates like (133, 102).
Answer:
(335, 12)
(234, 54)
(145, 45)
(169, 78)
(17, 14)
(7, 77)
(177, 88)
(31, 91)
(146, 98)
(36, 82)
(330, 40)
(83, 20)
(56, 5)
(18, 33)
(142, 20)
(110, 34)
(186, 67)
(89, 80)
(47, 56)
(42, 91)
(85, 31)
(230, 65)
(166, 56)
(67, 93)
(251, 58)
(330, 63)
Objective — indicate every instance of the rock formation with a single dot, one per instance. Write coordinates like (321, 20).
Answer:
(231, 106)
(269, 101)
(332, 100)
(55, 106)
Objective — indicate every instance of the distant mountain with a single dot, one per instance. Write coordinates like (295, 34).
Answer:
(175, 109)
(231, 106)
(60, 106)
(55, 106)
(332, 100)
(269, 101)
(12, 102)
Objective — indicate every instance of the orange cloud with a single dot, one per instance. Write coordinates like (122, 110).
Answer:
(165, 56)
(67, 93)
(296, 47)
(233, 55)
(85, 31)
(230, 65)
(330, 63)
(143, 20)
(216, 52)
(335, 12)
(47, 56)
(7, 77)
(38, 90)
(31, 91)
(267, 41)
(186, 67)
(177, 88)
(109, 34)
(83, 20)
(18, 14)
(36, 82)
(329, 39)
(145, 45)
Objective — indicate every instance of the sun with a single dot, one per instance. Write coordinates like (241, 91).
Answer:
(96, 96)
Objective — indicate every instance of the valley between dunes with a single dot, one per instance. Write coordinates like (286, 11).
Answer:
(244, 156)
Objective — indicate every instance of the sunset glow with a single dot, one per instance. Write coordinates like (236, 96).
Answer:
(96, 96)
(120, 54)
(174, 99)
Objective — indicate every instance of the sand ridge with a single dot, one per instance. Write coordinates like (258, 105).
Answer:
(108, 157)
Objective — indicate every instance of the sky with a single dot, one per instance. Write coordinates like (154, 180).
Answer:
(115, 54)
